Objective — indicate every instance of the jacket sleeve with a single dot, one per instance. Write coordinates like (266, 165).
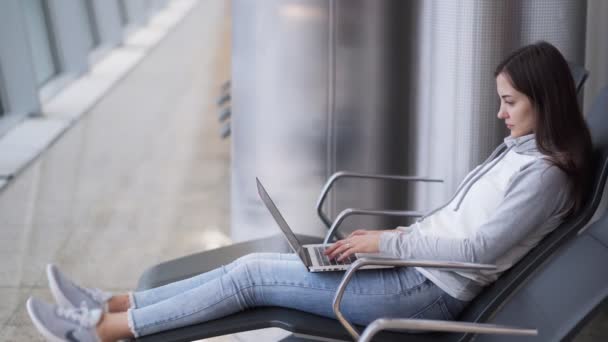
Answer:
(534, 195)
(405, 229)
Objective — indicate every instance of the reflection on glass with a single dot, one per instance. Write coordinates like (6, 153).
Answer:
(40, 41)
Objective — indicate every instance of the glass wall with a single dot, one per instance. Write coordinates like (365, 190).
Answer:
(1, 95)
(46, 44)
(1, 106)
(124, 13)
(40, 40)
(92, 24)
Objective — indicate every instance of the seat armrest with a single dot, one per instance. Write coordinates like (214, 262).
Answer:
(351, 211)
(443, 326)
(398, 263)
(345, 174)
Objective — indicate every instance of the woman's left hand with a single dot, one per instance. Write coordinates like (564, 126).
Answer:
(368, 243)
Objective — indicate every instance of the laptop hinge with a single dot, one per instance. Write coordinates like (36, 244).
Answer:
(307, 256)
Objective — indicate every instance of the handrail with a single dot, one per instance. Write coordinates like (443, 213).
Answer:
(351, 211)
(392, 262)
(444, 326)
(347, 174)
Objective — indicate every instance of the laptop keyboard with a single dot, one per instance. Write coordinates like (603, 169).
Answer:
(325, 261)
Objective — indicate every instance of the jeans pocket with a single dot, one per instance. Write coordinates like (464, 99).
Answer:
(436, 310)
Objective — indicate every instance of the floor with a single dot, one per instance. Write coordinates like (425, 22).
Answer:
(142, 178)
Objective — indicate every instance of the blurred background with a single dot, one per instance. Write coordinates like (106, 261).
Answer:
(131, 131)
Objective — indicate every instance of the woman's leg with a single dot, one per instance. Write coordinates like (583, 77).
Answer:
(119, 303)
(144, 298)
(399, 292)
(113, 327)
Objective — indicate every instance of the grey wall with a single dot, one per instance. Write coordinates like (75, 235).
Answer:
(280, 94)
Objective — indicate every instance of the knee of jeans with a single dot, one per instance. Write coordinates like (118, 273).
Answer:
(246, 273)
(256, 268)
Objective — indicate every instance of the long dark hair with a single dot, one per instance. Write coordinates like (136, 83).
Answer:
(541, 73)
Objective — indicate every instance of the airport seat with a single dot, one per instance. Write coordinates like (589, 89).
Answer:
(490, 304)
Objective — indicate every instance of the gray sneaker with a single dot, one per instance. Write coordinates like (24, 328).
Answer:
(70, 295)
(59, 324)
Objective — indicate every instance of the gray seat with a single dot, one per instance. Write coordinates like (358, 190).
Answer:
(490, 303)
(564, 292)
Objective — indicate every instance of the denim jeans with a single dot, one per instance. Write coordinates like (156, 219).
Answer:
(274, 279)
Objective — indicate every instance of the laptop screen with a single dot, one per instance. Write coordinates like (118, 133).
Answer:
(274, 211)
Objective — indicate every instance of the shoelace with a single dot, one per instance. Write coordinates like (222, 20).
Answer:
(81, 315)
(97, 294)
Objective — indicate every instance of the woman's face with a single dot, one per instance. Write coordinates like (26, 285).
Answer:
(515, 108)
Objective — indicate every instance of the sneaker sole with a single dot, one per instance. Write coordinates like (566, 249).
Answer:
(54, 287)
(39, 326)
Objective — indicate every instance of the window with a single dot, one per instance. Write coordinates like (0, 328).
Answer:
(93, 27)
(1, 105)
(124, 14)
(83, 19)
(37, 23)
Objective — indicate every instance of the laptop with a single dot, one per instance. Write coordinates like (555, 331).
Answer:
(311, 255)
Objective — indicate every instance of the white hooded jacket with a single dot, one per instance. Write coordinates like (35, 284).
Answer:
(501, 210)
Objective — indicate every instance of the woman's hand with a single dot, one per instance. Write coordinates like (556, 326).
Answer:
(358, 243)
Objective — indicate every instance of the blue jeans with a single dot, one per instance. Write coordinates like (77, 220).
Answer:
(273, 279)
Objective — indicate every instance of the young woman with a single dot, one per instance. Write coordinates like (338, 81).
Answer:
(501, 210)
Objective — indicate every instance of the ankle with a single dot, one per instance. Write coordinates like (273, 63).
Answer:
(100, 329)
(118, 303)
(113, 327)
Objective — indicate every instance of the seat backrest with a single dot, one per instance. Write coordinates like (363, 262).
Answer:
(579, 74)
(564, 294)
(488, 302)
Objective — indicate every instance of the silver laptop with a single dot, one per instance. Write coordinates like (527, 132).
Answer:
(311, 255)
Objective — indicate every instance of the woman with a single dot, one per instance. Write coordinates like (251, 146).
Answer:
(502, 209)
